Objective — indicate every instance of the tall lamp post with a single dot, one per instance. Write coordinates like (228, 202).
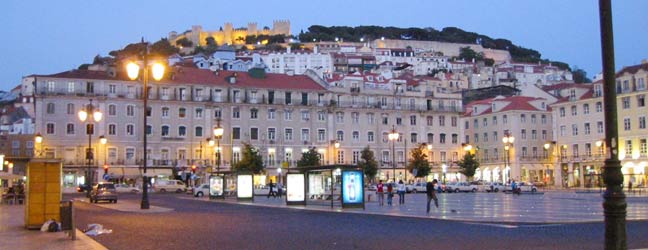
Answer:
(89, 110)
(336, 146)
(614, 202)
(508, 140)
(393, 136)
(39, 141)
(103, 140)
(218, 134)
(133, 73)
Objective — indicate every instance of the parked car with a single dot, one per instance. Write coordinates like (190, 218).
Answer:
(416, 187)
(103, 191)
(169, 186)
(83, 188)
(125, 188)
(201, 190)
(493, 187)
(524, 187)
(461, 187)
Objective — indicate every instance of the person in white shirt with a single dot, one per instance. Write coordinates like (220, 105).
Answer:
(401, 192)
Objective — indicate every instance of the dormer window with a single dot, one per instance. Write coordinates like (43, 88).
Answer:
(475, 109)
(493, 106)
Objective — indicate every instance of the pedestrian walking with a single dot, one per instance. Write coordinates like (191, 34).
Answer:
(271, 192)
(390, 193)
(430, 190)
(401, 192)
(279, 189)
(381, 193)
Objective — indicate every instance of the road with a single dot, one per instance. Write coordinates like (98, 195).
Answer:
(201, 224)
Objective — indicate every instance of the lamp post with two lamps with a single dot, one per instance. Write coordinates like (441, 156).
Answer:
(508, 140)
(393, 136)
(89, 110)
(133, 73)
(218, 134)
(103, 140)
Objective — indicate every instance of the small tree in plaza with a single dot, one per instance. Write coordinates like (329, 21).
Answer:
(419, 162)
(309, 158)
(468, 165)
(368, 163)
(251, 160)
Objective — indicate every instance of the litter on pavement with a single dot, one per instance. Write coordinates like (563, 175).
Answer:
(96, 229)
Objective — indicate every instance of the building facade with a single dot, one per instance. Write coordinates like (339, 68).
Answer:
(281, 115)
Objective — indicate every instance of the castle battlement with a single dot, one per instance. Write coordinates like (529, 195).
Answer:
(230, 35)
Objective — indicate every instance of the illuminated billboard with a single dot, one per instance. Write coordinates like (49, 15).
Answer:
(296, 189)
(216, 186)
(244, 186)
(352, 188)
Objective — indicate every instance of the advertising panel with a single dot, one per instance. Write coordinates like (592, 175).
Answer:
(216, 186)
(352, 190)
(244, 186)
(296, 189)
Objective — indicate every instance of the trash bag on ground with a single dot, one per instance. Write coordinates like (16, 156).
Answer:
(96, 229)
(50, 226)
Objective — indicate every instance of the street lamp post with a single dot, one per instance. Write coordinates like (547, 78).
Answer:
(508, 140)
(103, 140)
(218, 134)
(89, 109)
(39, 141)
(614, 202)
(393, 136)
(336, 146)
(133, 73)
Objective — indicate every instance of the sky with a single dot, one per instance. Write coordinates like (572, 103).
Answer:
(46, 37)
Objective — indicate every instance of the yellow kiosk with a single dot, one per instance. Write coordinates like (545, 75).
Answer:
(43, 192)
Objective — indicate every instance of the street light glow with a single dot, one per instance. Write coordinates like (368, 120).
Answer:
(158, 71)
(133, 70)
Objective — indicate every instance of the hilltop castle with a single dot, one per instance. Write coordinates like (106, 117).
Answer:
(230, 35)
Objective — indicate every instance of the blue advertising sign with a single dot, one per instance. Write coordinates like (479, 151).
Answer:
(352, 188)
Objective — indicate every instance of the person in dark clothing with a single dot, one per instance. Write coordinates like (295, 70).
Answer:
(430, 190)
(272, 192)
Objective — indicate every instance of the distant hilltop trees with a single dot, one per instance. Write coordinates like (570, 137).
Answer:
(448, 34)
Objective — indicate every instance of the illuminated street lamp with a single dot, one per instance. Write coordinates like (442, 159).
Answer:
(39, 140)
(508, 140)
(218, 134)
(103, 140)
(96, 114)
(393, 136)
(336, 146)
(133, 73)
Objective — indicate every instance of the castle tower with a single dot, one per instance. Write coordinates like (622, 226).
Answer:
(172, 36)
(281, 27)
(227, 33)
(195, 35)
(252, 29)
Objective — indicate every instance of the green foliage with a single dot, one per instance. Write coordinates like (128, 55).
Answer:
(469, 54)
(309, 158)
(468, 165)
(272, 39)
(419, 162)
(163, 48)
(84, 66)
(368, 163)
(184, 42)
(211, 41)
(257, 73)
(251, 160)
(580, 76)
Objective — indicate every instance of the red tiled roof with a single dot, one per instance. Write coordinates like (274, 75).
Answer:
(514, 103)
(206, 77)
(566, 85)
(632, 69)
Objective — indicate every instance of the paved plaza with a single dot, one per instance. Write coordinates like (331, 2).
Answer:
(544, 207)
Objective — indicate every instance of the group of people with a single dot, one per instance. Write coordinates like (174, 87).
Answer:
(431, 188)
(275, 193)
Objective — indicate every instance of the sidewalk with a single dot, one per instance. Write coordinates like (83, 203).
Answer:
(13, 234)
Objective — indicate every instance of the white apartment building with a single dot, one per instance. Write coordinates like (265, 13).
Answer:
(281, 115)
(298, 62)
(528, 120)
(577, 148)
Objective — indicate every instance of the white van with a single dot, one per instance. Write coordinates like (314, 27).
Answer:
(169, 186)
